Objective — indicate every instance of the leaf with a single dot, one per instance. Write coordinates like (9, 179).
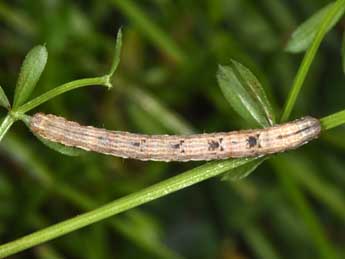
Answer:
(245, 94)
(4, 100)
(65, 150)
(302, 37)
(243, 171)
(5, 125)
(30, 73)
(117, 54)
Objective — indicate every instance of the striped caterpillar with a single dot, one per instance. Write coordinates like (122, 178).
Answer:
(211, 146)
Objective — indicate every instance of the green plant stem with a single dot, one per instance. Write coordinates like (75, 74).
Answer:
(6, 125)
(86, 203)
(333, 120)
(308, 59)
(21, 153)
(158, 190)
(102, 80)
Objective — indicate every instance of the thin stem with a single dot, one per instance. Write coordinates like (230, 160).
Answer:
(308, 59)
(6, 125)
(333, 120)
(103, 80)
(26, 158)
(158, 190)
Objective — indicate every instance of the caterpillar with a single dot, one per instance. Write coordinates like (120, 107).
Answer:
(197, 147)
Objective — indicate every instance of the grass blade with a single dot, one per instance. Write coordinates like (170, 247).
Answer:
(309, 57)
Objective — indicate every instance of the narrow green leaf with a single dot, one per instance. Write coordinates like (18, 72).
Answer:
(117, 54)
(309, 57)
(65, 150)
(5, 125)
(243, 171)
(245, 94)
(30, 73)
(4, 100)
(303, 36)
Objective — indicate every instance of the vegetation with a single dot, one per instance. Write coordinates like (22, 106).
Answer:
(292, 206)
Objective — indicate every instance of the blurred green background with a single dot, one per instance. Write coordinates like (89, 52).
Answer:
(293, 206)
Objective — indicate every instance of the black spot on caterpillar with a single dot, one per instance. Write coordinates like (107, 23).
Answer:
(223, 145)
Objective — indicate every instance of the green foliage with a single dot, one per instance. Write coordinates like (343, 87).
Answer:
(3, 99)
(68, 151)
(171, 49)
(117, 53)
(245, 94)
(303, 36)
(30, 72)
(309, 57)
(333, 120)
(5, 125)
(242, 171)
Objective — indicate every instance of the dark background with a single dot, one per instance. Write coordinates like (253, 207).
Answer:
(292, 206)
